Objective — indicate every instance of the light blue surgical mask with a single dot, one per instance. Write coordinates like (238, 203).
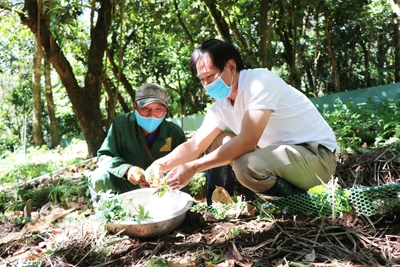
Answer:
(149, 124)
(218, 88)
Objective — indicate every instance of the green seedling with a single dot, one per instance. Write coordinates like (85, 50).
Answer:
(155, 181)
(142, 214)
(152, 178)
(113, 209)
(162, 190)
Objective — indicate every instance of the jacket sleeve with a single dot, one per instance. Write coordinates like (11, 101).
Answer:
(109, 154)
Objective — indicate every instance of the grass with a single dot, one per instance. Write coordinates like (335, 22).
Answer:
(20, 167)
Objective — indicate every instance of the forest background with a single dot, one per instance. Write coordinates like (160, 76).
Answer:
(67, 68)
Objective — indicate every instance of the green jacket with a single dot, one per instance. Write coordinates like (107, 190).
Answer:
(124, 144)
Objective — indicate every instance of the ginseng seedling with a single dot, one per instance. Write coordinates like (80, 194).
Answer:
(155, 181)
(162, 190)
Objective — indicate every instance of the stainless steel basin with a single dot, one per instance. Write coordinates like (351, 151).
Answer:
(170, 219)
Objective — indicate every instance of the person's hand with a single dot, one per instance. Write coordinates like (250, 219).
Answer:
(153, 175)
(136, 176)
(180, 176)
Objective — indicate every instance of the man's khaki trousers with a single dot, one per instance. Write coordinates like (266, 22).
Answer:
(304, 165)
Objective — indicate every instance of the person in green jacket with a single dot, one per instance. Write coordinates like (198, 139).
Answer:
(134, 141)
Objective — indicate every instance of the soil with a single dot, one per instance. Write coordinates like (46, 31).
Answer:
(68, 234)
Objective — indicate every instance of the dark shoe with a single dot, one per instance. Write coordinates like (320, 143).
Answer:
(283, 188)
(220, 176)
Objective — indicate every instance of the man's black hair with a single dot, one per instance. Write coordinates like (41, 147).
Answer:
(219, 51)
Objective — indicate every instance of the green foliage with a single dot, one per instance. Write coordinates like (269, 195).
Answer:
(19, 170)
(329, 201)
(22, 220)
(113, 209)
(162, 189)
(17, 220)
(158, 38)
(39, 161)
(28, 170)
(65, 192)
(373, 124)
(59, 191)
(3, 200)
(234, 232)
(221, 211)
(157, 262)
(266, 212)
(214, 256)
(197, 183)
(16, 57)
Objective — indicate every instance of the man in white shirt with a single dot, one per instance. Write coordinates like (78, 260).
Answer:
(280, 144)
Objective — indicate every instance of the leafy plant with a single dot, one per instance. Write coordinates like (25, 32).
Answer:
(197, 183)
(329, 201)
(162, 190)
(18, 220)
(266, 211)
(28, 170)
(370, 124)
(66, 193)
(234, 232)
(221, 211)
(21, 220)
(157, 262)
(142, 214)
(112, 209)
(155, 181)
(213, 257)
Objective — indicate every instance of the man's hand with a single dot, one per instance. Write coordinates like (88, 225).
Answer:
(154, 174)
(136, 176)
(180, 176)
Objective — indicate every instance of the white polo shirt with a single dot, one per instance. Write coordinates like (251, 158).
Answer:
(294, 117)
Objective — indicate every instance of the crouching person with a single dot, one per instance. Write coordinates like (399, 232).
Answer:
(279, 145)
(134, 141)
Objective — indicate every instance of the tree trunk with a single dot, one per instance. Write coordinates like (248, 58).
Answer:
(316, 85)
(224, 28)
(85, 101)
(396, 25)
(264, 31)
(218, 19)
(367, 79)
(123, 79)
(287, 31)
(269, 49)
(309, 87)
(328, 28)
(55, 136)
(110, 89)
(38, 139)
(182, 23)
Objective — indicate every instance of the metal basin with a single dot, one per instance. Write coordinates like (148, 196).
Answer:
(166, 218)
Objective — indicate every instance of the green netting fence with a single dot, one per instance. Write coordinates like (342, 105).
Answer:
(360, 201)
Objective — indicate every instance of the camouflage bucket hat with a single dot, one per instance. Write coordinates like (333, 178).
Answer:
(151, 93)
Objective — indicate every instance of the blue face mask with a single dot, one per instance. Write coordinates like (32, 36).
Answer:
(218, 88)
(149, 124)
